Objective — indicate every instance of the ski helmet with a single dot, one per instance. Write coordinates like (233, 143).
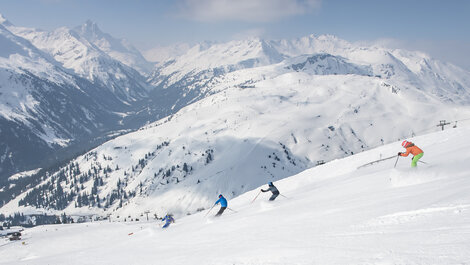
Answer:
(220, 195)
(270, 183)
(404, 143)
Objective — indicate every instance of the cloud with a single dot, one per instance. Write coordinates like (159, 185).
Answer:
(163, 53)
(248, 34)
(245, 10)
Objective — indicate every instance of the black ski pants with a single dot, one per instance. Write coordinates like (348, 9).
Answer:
(273, 197)
(222, 209)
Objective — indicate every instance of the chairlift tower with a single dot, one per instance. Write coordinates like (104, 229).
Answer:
(147, 214)
(442, 123)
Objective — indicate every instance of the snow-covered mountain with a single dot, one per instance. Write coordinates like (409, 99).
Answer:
(119, 49)
(256, 125)
(206, 60)
(44, 107)
(239, 114)
(191, 76)
(331, 214)
(79, 50)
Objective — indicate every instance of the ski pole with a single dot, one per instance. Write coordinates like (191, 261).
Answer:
(256, 197)
(423, 162)
(232, 210)
(398, 156)
(284, 196)
(376, 161)
(209, 210)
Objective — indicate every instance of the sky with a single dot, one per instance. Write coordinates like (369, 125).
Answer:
(439, 28)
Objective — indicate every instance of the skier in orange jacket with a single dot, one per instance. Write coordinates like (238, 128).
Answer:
(414, 150)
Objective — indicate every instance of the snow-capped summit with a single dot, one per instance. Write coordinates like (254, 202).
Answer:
(87, 60)
(225, 57)
(118, 49)
(191, 76)
(312, 44)
(4, 21)
(90, 30)
(19, 55)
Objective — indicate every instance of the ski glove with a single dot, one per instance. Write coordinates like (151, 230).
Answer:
(399, 153)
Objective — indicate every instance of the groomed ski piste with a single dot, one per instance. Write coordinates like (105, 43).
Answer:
(331, 214)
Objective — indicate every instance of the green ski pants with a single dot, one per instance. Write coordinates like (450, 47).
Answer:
(414, 162)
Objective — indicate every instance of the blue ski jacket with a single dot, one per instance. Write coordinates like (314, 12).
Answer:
(168, 219)
(223, 202)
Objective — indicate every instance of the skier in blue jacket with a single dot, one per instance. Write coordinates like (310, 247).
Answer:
(223, 204)
(168, 219)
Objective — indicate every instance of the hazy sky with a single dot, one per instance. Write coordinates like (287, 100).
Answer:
(440, 28)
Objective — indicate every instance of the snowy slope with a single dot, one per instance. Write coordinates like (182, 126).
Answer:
(333, 214)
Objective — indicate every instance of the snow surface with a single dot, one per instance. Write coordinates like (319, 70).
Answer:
(331, 214)
(24, 174)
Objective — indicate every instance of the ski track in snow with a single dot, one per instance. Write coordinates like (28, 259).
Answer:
(373, 215)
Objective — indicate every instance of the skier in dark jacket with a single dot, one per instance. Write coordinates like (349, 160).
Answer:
(168, 219)
(272, 189)
(223, 204)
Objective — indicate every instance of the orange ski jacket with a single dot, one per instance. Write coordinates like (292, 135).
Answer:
(413, 149)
